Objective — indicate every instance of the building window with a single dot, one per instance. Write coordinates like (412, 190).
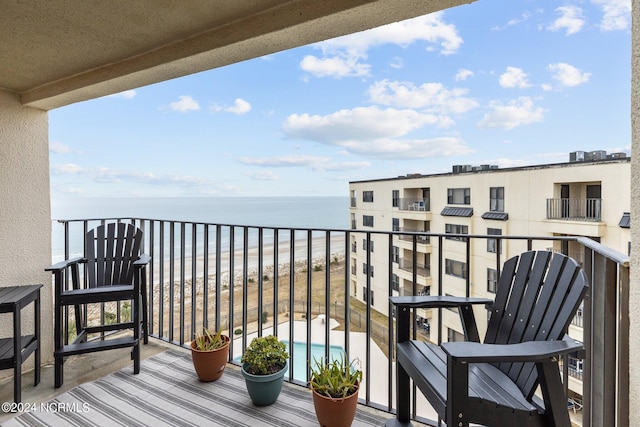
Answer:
(455, 268)
(496, 199)
(395, 198)
(367, 220)
(395, 224)
(364, 295)
(575, 366)
(367, 196)
(365, 269)
(459, 196)
(395, 254)
(454, 336)
(367, 245)
(456, 229)
(492, 244)
(395, 282)
(492, 280)
(354, 247)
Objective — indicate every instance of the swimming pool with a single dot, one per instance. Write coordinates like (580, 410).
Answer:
(317, 353)
(300, 357)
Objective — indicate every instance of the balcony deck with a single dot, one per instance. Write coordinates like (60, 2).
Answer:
(248, 278)
(90, 367)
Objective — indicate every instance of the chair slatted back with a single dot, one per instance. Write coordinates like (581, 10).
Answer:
(538, 295)
(111, 250)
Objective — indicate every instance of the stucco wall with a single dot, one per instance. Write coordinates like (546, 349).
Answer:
(634, 295)
(25, 214)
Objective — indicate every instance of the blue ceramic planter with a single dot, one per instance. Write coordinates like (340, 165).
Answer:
(264, 389)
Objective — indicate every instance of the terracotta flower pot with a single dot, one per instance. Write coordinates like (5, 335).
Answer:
(210, 364)
(335, 412)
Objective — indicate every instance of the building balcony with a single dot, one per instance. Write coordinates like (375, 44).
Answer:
(414, 204)
(421, 269)
(410, 235)
(249, 281)
(574, 209)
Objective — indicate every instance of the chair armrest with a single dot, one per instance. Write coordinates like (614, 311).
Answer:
(66, 263)
(142, 261)
(530, 351)
(428, 301)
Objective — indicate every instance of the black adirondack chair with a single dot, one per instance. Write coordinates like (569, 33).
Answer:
(113, 270)
(495, 383)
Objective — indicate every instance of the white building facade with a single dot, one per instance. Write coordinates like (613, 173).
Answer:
(578, 198)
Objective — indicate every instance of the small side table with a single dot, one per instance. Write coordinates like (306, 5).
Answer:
(14, 350)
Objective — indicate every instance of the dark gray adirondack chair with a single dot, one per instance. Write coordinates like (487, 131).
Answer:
(114, 270)
(494, 383)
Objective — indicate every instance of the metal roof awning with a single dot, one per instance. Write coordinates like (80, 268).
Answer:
(625, 221)
(499, 216)
(451, 211)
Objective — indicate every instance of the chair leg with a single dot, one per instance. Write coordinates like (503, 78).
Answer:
(135, 351)
(58, 344)
(403, 391)
(145, 312)
(58, 371)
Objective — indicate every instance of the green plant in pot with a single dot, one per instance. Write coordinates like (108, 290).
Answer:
(264, 363)
(335, 385)
(210, 353)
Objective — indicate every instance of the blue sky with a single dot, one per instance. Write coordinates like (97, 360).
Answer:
(504, 82)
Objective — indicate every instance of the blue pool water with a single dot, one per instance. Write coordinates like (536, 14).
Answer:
(317, 353)
(300, 357)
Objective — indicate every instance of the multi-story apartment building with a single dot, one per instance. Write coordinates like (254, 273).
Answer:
(588, 196)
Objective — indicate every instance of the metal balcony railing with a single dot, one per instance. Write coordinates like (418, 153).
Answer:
(250, 281)
(414, 204)
(574, 209)
(407, 234)
(421, 269)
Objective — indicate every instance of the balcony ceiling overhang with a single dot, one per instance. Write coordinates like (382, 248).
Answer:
(55, 53)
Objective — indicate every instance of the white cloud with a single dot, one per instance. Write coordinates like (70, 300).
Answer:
(516, 113)
(59, 148)
(397, 63)
(343, 56)
(570, 20)
(568, 75)
(337, 67)
(66, 169)
(361, 123)
(240, 107)
(186, 103)
(523, 18)
(408, 149)
(316, 163)
(514, 78)
(429, 97)
(108, 175)
(616, 14)
(262, 176)
(463, 74)
(127, 94)
(373, 132)
(284, 161)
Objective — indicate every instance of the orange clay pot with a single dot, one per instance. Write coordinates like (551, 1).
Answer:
(210, 364)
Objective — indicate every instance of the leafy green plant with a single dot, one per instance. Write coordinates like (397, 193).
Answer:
(208, 341)
(238, 331)
(265, 355)
(336, 379)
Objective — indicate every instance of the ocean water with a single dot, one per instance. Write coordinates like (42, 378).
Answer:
(289, 212)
